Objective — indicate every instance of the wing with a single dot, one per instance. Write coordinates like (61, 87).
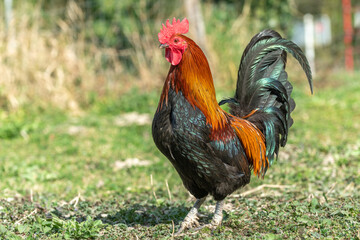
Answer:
(231, 153)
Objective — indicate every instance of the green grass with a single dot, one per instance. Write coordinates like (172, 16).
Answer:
(48, 158)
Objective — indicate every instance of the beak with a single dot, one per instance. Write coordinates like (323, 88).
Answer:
(165, 45)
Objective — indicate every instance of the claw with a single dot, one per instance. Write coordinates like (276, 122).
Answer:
(200, 215)
(217, 218)
(191, 219)
(215, 222)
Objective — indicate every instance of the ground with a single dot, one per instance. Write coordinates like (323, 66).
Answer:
(97, 174)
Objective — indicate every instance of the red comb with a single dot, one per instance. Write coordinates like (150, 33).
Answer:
(176, 27)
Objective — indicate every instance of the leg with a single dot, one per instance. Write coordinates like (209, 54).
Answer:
(191, 218)
(217, 218)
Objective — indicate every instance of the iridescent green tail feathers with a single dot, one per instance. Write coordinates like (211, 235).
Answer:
(263, 86)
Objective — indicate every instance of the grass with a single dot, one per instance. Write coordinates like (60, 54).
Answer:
(66, 176)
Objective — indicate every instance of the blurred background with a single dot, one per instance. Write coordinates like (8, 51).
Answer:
(70, 54)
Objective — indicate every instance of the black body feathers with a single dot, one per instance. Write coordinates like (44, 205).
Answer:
(213, 160)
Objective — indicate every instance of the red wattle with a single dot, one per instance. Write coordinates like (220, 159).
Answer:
(173, 56)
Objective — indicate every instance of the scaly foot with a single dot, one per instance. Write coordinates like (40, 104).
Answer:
(191, 219)
(217, 218)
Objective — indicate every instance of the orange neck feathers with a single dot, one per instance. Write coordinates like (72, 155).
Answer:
(192, 76)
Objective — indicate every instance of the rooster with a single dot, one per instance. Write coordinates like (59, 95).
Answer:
(213, 151)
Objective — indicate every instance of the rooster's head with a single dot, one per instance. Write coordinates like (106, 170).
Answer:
(171, 39)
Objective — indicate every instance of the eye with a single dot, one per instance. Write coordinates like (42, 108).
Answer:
(176, 40)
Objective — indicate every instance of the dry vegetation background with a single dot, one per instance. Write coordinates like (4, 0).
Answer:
(62, 67)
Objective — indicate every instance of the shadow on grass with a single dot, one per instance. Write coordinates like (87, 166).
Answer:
(144, 214)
